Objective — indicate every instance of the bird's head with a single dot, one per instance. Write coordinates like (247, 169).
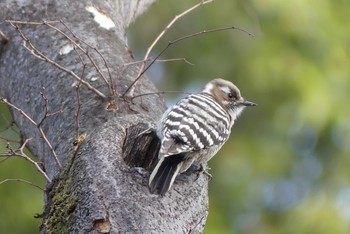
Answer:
(228, 96)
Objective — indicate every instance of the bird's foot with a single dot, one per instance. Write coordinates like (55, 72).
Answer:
(203, 168)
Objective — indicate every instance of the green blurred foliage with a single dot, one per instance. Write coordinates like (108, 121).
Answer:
(285, 167)
(19, 202)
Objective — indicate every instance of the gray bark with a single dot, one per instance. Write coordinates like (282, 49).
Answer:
(103, 185)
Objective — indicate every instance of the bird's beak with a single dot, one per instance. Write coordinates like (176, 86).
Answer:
(248, 103)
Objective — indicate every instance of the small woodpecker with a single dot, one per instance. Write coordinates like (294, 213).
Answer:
(194, 130)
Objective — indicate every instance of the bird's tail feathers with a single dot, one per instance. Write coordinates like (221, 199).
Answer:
(164, 174)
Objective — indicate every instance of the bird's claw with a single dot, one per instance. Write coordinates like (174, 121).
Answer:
(205, 170)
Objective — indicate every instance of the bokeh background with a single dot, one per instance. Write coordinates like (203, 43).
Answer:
(286, 166)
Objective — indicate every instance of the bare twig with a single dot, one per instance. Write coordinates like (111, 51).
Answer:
(38, 54)
(176, 18)
(78, 46)
(54, 113)
(3, 40)
(22, 181)
(50, 24)
(170, 43)
(32, 22)
(111, 84)
(175, 59)
(161, 92)
(37, 126)
(46, 114)
(77, 115)
(3, 37)
(126, 65)
(159, 60)
(20, 152)
(46, 106)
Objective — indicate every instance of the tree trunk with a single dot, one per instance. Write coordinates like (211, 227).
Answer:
(102, 186)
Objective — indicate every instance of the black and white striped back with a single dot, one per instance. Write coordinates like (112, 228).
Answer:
(194, 123)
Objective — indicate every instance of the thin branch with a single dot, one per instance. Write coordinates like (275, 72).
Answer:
(111, 85)
(159, 60)
(78, 46)
(4, 100)
(50, 25)
(37, 126)
(47, 114)
(54, 113)
(20, 153)
(210, 31)
(77, 115)
(126, 65)
(175, 59)
(3, 37)
(170, 43)
(31, 22)
(161, 92)
(176, 18)
(46, 107)
(22, 181)
(36, 52)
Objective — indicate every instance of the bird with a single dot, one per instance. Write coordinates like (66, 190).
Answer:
(194, 130)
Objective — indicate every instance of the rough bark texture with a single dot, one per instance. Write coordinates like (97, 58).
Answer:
(97, 191)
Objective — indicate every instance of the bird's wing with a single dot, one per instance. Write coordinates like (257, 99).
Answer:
(190, 127)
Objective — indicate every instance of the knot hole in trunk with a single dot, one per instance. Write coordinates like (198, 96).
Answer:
(141, 146)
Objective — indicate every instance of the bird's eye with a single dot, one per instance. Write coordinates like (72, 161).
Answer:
(230, 95)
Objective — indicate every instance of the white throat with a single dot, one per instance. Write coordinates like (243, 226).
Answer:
(235, 113)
